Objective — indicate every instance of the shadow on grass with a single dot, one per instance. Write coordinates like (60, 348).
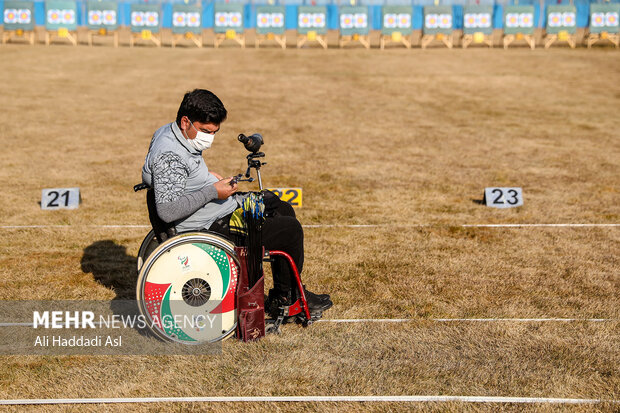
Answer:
(111, 267)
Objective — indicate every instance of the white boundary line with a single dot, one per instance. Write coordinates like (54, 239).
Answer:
(451, 320)
(436, 320)
(343, 226)
(536, 225)
(71, 226)
(263, 399)
(361, 225)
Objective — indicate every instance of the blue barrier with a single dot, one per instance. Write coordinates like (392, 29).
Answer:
(333, 23)
(583, 14)
(208, 14)
(332, 17)
(498, 16)
(417, 18)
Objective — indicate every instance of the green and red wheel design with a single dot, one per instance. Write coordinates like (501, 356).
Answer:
(186, 289)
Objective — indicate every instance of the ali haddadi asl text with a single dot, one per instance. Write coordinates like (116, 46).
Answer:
(78, 341)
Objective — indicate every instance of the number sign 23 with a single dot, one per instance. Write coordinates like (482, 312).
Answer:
(290, 195)
(60, 198)
(503, 197)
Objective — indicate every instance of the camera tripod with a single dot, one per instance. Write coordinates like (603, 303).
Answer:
(252, 144)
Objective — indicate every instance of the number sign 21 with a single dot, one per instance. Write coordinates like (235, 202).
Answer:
(503, 197)
(60, 198)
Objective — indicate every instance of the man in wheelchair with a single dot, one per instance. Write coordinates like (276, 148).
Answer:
(188, 197)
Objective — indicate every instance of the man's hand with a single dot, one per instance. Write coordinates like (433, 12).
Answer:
(215, 174)
(224, 188)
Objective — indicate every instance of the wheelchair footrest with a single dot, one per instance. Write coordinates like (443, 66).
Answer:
(289, 314)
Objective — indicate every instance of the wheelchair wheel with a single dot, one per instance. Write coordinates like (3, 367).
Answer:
(186, 289)
(149, 244)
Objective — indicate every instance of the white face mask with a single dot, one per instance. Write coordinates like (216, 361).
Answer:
(202, 140)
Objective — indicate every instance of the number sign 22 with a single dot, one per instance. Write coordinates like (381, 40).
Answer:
(503, 197)
(60, 198)
(291, 195)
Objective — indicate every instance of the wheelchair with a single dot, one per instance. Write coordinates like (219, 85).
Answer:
(193, 287)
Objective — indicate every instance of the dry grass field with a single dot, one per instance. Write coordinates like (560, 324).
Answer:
(407, 140)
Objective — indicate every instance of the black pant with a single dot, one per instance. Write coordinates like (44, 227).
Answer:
(281, 231)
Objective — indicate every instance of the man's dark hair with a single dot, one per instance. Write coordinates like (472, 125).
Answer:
(202, 106)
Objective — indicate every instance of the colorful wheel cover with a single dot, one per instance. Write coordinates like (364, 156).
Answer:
(186, 289)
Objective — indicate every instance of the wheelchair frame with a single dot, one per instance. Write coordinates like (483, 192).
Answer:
(150, 245)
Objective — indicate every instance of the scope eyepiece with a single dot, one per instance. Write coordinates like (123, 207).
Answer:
(252, 143)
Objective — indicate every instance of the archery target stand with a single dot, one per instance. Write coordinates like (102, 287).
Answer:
(238, 38)
(146, 35)
(561, 25)
(528, 38)
(477, 25)
(9, 35)
(61, 21)
(438, 25)
(614, 38)
(229, 24)
(311, 36)
(396, 27)
(477, 38)
(18, 21)
(186, 25)
(604, 24)
(519, 25)
(270, 25)
(189, 36)
(60, 34)
(102, 32)
(312, 25)
(280, 39)
(362, 38)
(145, 24)
(102, 20)
(427, 39)
(354, 25)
